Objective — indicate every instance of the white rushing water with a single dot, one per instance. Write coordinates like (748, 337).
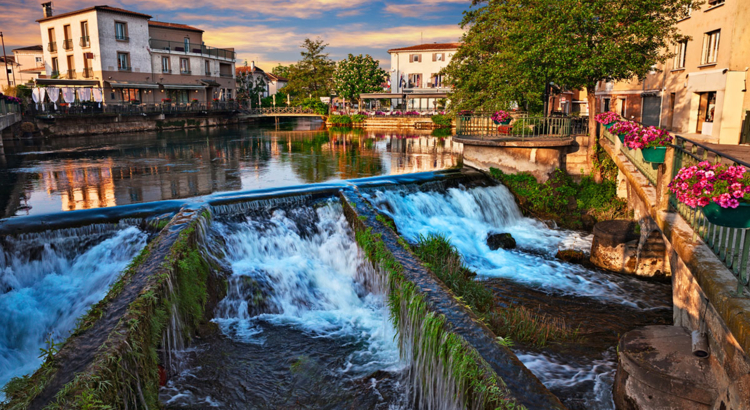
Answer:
(298, 268)
(44, 295)
(467, 216)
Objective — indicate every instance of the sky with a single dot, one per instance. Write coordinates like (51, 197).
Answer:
(270, 32)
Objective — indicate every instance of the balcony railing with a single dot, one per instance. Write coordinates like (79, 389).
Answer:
(186, 72)
(124, 68)
(523, 127)
(85, 42)
(122, 38)
(54, 74)
(181, 47)
(163, 71)
(52, 46)
(226, 75)
(88, 72)
(68, 44)
(92, 108)
(71, 74)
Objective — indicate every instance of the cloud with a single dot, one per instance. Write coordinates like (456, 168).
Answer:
(349, 13)
(425, 9)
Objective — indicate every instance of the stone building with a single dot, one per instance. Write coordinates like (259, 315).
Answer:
(134, 59)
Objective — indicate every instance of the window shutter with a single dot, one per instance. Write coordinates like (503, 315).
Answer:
(434, 56)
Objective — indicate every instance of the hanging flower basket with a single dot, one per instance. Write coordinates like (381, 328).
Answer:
(607, 119)
(654, 155)
(501, 117)
(623, 128)
(722, 191)
(728, 217)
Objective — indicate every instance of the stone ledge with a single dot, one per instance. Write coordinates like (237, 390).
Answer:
(532, 142)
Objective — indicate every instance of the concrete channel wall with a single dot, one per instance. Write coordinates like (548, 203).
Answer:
(495, 377)
(111, 358)
(703, 288)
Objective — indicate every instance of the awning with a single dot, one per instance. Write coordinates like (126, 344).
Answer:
(62, 81)
(127, 84)
(210, 83)
(183, 87)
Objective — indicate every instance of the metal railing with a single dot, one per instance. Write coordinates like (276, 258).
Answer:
(181, 47)
(52, 46)
(71, 74)
(49, 110)
(68, 44)
(731, 245)
(122, 38)
(85, 42)
(187, 72)
(88, 72)
(9, 108)
(124, 68)
(521, 128)
(279, 110)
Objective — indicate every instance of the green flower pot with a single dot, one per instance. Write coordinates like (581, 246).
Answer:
(622, 138)
(506, 122)
(608, 126)
(728, 217)
(654, 155)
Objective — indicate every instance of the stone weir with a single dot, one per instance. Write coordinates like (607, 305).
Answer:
(112, 358)
(456, 360)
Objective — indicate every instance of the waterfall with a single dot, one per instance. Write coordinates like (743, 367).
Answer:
(49, 279)
(468, 216)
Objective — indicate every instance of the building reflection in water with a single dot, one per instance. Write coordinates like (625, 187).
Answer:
(82, 173)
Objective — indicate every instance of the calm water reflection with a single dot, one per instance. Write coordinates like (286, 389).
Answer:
(42, 176)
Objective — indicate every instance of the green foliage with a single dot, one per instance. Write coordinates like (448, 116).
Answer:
(562, 199)
(358, 74)
(441, 132)
(340, 119)
(250, 86)
(513, 47)
(48, 353)
(320, 107)
(358, 118)
(281, 71)
(442, 120)
(312, 75)
(530, 328)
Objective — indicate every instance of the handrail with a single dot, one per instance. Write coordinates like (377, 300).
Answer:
(719, 154)
(520, 127)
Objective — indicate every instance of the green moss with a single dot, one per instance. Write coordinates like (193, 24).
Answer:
(564, 200)
(471, 373)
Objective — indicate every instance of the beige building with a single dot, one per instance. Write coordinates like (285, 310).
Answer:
(24, 66)
(415, 71)
(701, 92)
(134, 59)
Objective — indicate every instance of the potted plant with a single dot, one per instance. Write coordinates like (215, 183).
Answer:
(722, 191)
(195, 101)
(501, 117)
(623, 128)
(651, 141)
(166, 100)
(607, 119)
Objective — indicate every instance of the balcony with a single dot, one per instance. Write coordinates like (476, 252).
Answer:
(185, 72)
(122, 38)
(71, 74)
(54, 74)
(85, 42)
(194, 48)
(88, 72)
(68, 44)
(52, 47)
(166, 71)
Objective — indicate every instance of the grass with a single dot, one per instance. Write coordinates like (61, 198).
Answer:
(515, 323)
(564, 200)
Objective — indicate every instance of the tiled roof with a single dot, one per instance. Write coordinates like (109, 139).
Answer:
(173, 25)
(428, 47)
(248, 69)
(101, 8)
(34, 70)
(276, 77)
(30, 48)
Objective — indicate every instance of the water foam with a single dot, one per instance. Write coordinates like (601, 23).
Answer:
(45, 293)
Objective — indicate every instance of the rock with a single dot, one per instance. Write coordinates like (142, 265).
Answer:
(588, 222)
(500, 240)
(570, 255)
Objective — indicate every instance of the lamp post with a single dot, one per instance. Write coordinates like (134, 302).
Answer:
(7, 76)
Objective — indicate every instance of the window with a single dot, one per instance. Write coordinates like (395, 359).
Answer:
(166, 67)
(130, 94)
(123, 61)
(415, 80)
(71, 64)
(68, 42)
(52, 46)
(208, 67)
(184, 66)
(687, 11)
(710, 47)
(39, 60)
(438, 56)
(55, 66)
(187, 44)
(714, 3)
(121, 31)
(680, 51)
(415, 58)
(85, 34)
(436, 80)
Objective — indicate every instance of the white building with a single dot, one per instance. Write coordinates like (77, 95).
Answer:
(24, 66)
(249, 75)
(134, 59)
(415, 73)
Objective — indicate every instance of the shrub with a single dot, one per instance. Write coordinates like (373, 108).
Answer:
(359, 118)
(340, 119)
(441, 120)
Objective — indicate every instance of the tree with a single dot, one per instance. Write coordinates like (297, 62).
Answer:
(358, 74)
(281, 71)
(311, 76)
(250, 86)
(524, 44)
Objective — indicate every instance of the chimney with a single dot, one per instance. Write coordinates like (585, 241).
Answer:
(252, 65)
(47, 7)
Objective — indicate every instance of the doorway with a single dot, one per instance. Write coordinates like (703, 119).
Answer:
(606, 105)
(706, 110)
(651, 110)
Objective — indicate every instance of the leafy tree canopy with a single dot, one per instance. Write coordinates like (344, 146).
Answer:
(358, 74)
(281, 70)
(312, 75)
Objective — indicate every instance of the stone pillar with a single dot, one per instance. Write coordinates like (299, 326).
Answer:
(663, 179)
(622, 185)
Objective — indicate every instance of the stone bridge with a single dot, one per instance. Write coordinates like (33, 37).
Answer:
(279, 112)
(711, 299)
(9, 116)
